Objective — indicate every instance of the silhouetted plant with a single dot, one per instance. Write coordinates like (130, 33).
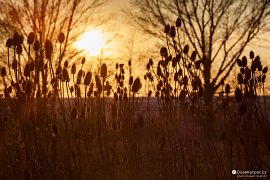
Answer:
(62, 120)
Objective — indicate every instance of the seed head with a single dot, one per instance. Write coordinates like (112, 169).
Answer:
(178, 22)
(240, 78)
(65, 75)
(244, 61)
(151, 62)
(227, 89)
(130, 80)
(136, 85)
(31, 38)
(48, 49)
(103, 70)
(193, 56)
(73, 69)
(98, 84)
(20, 39)
(186, 48)
(83, 60)
(36, 45)
(87, 78)
(265, 69)
(14, 64)
(239, 62)
(251, 54)
(167, 29)
(19, 49)
(172, 32)
(9, 43)
(16, 39)
(65, 64)
(61, 37)
(164, 52)
(148, 66)
(3, 71)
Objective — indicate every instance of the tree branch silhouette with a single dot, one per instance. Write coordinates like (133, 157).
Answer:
(217, 29)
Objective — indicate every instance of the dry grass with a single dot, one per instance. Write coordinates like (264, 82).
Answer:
(60, 122)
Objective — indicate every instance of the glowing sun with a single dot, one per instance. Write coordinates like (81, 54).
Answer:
(92, 42)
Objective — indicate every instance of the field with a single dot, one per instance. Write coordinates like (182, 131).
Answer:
(60, 121)
(140, 142)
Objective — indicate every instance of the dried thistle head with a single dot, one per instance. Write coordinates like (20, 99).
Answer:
(19, 49)
(83, 60)
(136, 85)
(14, 64)
(48, 49)
(61, 37)
(167, 29)
(31, 38)
(164, 52)
(227, 89)
(251, 54)
(178, 22)
(9, 43)
(265, 70)
(16, 39)
(172, 32)
(3, 71)
(98, 84)
(186, 49)
(66, 64)
(87, 79)
(240, 78)
(20, 39)
(65, 75)
(193, 56)
(73, 69)
(36, 45)
(130, 82)
(244, 61)
(103, 70)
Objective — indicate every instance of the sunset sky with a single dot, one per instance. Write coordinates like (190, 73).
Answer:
(116, 36)
(121, 31)
(116, 41)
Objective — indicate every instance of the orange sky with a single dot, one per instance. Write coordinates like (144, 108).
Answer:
(125, 33)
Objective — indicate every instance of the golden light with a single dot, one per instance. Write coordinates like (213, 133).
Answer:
(92, 42)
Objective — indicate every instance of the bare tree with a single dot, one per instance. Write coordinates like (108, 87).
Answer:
(48, 18)
(217, 29)
(48, 21)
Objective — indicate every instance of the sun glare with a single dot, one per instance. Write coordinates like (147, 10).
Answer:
(92, 42)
